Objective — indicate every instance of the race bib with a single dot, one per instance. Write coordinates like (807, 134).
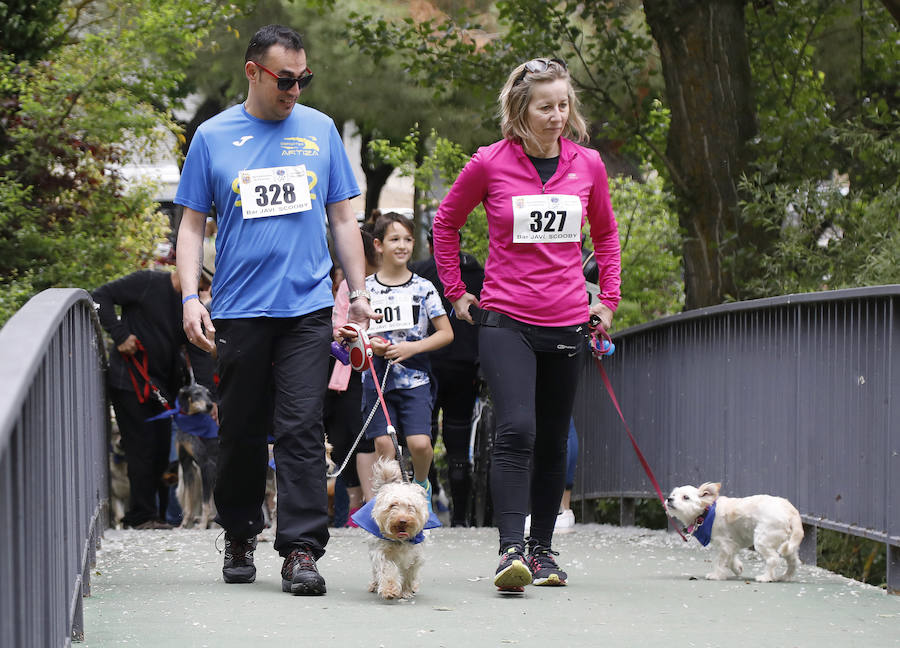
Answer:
(274, 191)
(546, 218)
(396, 311)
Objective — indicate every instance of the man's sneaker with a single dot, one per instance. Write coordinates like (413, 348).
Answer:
(565, 522)
(544, 569)
(512, 573)
(299, 575)
(238, 566)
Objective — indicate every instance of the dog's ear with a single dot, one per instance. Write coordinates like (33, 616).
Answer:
(709, 491)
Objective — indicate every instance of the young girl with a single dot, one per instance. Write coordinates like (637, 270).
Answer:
(406, 302)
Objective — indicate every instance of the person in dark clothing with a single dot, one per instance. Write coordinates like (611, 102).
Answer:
(455, 367)
(149, 331)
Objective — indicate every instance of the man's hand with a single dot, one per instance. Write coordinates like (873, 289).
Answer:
(198, 326)
(360, 313)
(129, 346)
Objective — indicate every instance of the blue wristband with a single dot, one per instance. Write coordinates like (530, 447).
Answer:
(188, 298)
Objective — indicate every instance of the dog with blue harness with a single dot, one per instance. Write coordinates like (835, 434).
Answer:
(197, 449)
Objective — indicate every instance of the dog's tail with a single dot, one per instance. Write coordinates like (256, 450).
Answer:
(789, 547)
(385, 471)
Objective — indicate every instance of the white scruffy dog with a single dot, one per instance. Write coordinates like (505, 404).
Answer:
(400, 511)
(771, 524)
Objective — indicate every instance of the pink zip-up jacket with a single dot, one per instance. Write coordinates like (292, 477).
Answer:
(535, 283)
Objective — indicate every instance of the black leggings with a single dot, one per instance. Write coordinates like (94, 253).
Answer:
(533, 379)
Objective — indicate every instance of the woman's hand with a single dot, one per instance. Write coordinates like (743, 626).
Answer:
(461, 307)
(605, 314)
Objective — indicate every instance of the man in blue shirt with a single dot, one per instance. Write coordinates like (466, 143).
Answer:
(276, 171)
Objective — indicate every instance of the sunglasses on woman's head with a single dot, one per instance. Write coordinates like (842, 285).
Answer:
(286, 83)
(539, 65)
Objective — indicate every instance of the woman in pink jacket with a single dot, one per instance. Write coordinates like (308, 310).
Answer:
(538, 188)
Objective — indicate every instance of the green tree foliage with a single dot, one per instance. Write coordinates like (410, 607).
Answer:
(69, 121)
(832, 234)
(29, 28)
(651, 250)
(825, 171)
(606, 45)
(431, 174)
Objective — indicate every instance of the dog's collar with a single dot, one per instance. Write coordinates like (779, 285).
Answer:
(363, 518)
(701, 529)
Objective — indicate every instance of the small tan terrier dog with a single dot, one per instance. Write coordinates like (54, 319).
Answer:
(771, 524)
(397, 516)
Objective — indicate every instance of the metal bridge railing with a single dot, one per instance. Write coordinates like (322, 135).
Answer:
(797, 396)
(53, 466)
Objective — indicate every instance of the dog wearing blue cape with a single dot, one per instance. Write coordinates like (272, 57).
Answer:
(396, 517)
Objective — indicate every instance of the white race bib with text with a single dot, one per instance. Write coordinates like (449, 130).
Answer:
(274, 191)
(546, 218)
(396, 311)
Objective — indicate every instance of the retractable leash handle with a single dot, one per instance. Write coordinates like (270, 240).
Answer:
(360, 349)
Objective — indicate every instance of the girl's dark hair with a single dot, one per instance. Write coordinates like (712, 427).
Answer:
(369, 248)
(385, 220)
(271, 35)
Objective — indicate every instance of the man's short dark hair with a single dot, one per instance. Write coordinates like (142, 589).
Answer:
(271, 35)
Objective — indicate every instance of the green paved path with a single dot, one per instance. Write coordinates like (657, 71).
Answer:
(627, 587)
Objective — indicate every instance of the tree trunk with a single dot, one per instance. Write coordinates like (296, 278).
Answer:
(706, 67)
(376, 174)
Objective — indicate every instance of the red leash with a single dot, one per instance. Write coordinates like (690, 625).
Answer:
(637, 450)
(142, 369)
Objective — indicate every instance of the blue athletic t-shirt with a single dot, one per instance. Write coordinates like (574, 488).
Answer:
(274, 266)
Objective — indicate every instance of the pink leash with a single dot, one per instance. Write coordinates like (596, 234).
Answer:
(595, 348)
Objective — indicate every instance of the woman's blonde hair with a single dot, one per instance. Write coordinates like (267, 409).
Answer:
(516, 95)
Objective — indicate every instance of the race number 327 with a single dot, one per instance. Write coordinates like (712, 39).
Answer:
(546, 218)
(548, 221)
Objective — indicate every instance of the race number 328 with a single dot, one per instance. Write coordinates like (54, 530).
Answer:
(274, 191)
(546, 218)
(276, 194)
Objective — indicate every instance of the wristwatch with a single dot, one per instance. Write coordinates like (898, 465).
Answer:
(356, 294)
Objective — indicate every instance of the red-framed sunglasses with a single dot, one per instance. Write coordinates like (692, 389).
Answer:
(286, 83)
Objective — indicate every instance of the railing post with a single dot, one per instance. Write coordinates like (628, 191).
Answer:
(626, 511)
(893, 569)
(808, 546)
